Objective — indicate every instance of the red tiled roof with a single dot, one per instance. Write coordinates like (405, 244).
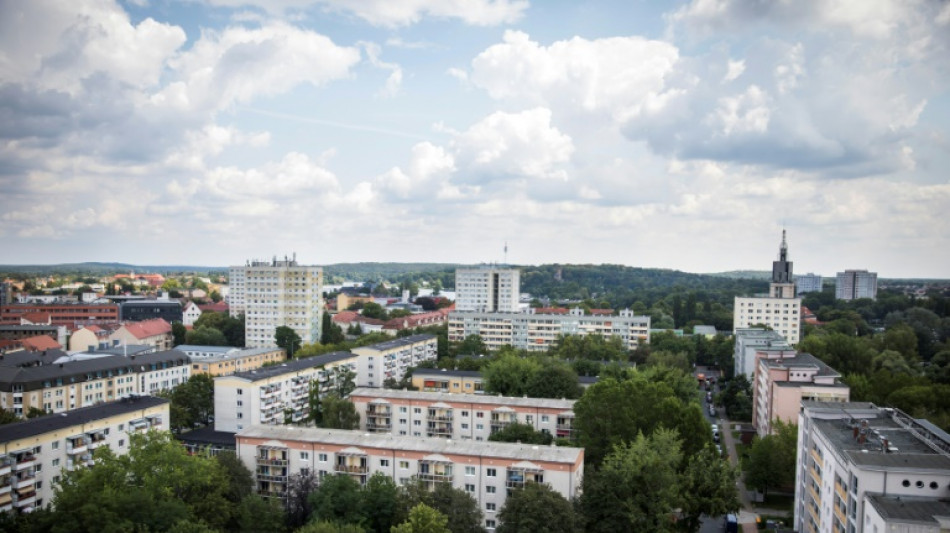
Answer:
(36, 318)
(148, 328)
(40, 342)
(345, 316)
(551, 311)
(220, 307)
(420, 319)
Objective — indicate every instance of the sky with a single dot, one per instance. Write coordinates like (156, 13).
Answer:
(683, 135)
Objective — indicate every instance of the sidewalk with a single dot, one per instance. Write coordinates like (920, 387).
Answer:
(749, 511)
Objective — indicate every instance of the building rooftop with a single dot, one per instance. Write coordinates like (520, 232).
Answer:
(396, 343)
(426, 445)
(33, 377)
(202, 348)
(446, 372)
(484, 399)
(293, 365)
(908, 509)
(236, 354)
(207, 436)
(801, 360)
(884, 438)
(83, 415)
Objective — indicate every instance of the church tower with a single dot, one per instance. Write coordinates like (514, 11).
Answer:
(783, 281)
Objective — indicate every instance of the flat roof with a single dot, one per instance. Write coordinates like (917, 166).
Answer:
(397, 343)
(910, 509)
(239, 354)
(291, 366)
(800, 360)
(428, 445)
(34, 375)
(83, 415)
(905, 450)
(209, 437)
(484, 399)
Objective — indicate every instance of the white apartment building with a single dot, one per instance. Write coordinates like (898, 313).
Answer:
(854, 284)
(56, 387)
(278, 293)
(276, 394)
(236, 290)
(538, 332)
(752, 343)
(458, 416)
(808, 283)
(485, 470)
(381, 361)
(487, 289)
(35, 454)
(780, 309)
(862, 468)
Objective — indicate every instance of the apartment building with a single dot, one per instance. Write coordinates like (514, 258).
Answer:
(863, 468)
(233, 361)
(752, 343)
(808, 283)
(139, 310)
(156, 332)
(236, 290)
(24, 331)
(56, 383)
(278, 293)
(451, 381)
(538, 331)
(488, 289)
(63, 313)
(485, 470)
(35, 454)
(783, 381)
(390, 360)
(277, 394)
(854, 284)
(458, 416)
(780, 309)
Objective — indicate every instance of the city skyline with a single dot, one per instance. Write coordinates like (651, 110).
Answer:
(681, 135)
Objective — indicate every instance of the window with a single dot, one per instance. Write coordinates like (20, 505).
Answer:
(322, 457)
(304, 456)
(240, 403)
(240, 415)
(56, 462)
(479, 415)
(121, 442)
(544, 418)
(55, 444)
(469, 487)
(490, 489)
(464, 426)
(490, 524)
(417, 410)
(489, 506)
(240, 391)
(404, 465)
(469, 470)
(490, 472)
(384, 462)
(464, 413)
(479, 426)
(402, 409)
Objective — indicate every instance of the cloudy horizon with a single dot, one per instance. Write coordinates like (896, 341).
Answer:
(682, 135)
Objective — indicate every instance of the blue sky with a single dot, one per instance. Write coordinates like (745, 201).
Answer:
(678, 135)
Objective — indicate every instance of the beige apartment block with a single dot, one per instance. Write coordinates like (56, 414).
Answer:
(234, 361)
(452, 381)
(276, 394)
(485, 470)
(35, 454)
(458, 416)
(390, 359)
(867, 469)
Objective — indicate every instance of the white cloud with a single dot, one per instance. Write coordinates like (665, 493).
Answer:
(747, 112)
(734, 70)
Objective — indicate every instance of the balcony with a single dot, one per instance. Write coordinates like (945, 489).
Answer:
(6, 488)
(817, 458)
(24, 482)
(517, 477)
(76, 446)
(5, 466)
(26, 500)
(25, 461)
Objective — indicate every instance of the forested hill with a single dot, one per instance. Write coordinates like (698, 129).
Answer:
(621, 286)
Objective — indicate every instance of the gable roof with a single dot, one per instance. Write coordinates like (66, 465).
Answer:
(148, 328)
(40, 342)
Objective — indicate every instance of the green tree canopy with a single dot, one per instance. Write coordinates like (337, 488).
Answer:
(509, 375)
(285, 337)
(523, 433)
(423, 519)
(337, 413)
(536, 507)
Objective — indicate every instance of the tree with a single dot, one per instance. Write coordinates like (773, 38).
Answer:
(179, 332)
(772, 459)
(509, 375)
(206, 336)
(297, 505)
(153, 487)
(338, 499)
(192, 402)
(636, 488)
(285, 337)
(423, 519)
(518, 432)
(708, 486)
(7, 417)
(555, 379)
(330, 333)
(472, 345)
(330, 527)
(380, 500)
(257, 514)
(337, 413)
(461, 509)
(536, 507)
(374, 310)
(215, 296)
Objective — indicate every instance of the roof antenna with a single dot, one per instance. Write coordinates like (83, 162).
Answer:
(506, 253)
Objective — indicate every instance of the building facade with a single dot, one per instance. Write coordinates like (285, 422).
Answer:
(538, 332)
(390, 360)
(58, 385)
(783, 381)
(458, 416)
(234, 361)
(277, 293)
(780, 309)
(156, 332)
(752, 343)
(808, 283)
(277, 394)
(488, 289)
(35, 454)
(854, 284)
(63, 314)
(450, 381)
(485, 470)
(856, 461)
(140, 310)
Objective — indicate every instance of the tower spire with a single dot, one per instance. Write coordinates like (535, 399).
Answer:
(782, 269)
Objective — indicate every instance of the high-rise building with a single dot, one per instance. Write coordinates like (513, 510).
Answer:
(277, 293)
(808, 283)
(862, 469)
(780, 309)
(854, 284)
(487, 289)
